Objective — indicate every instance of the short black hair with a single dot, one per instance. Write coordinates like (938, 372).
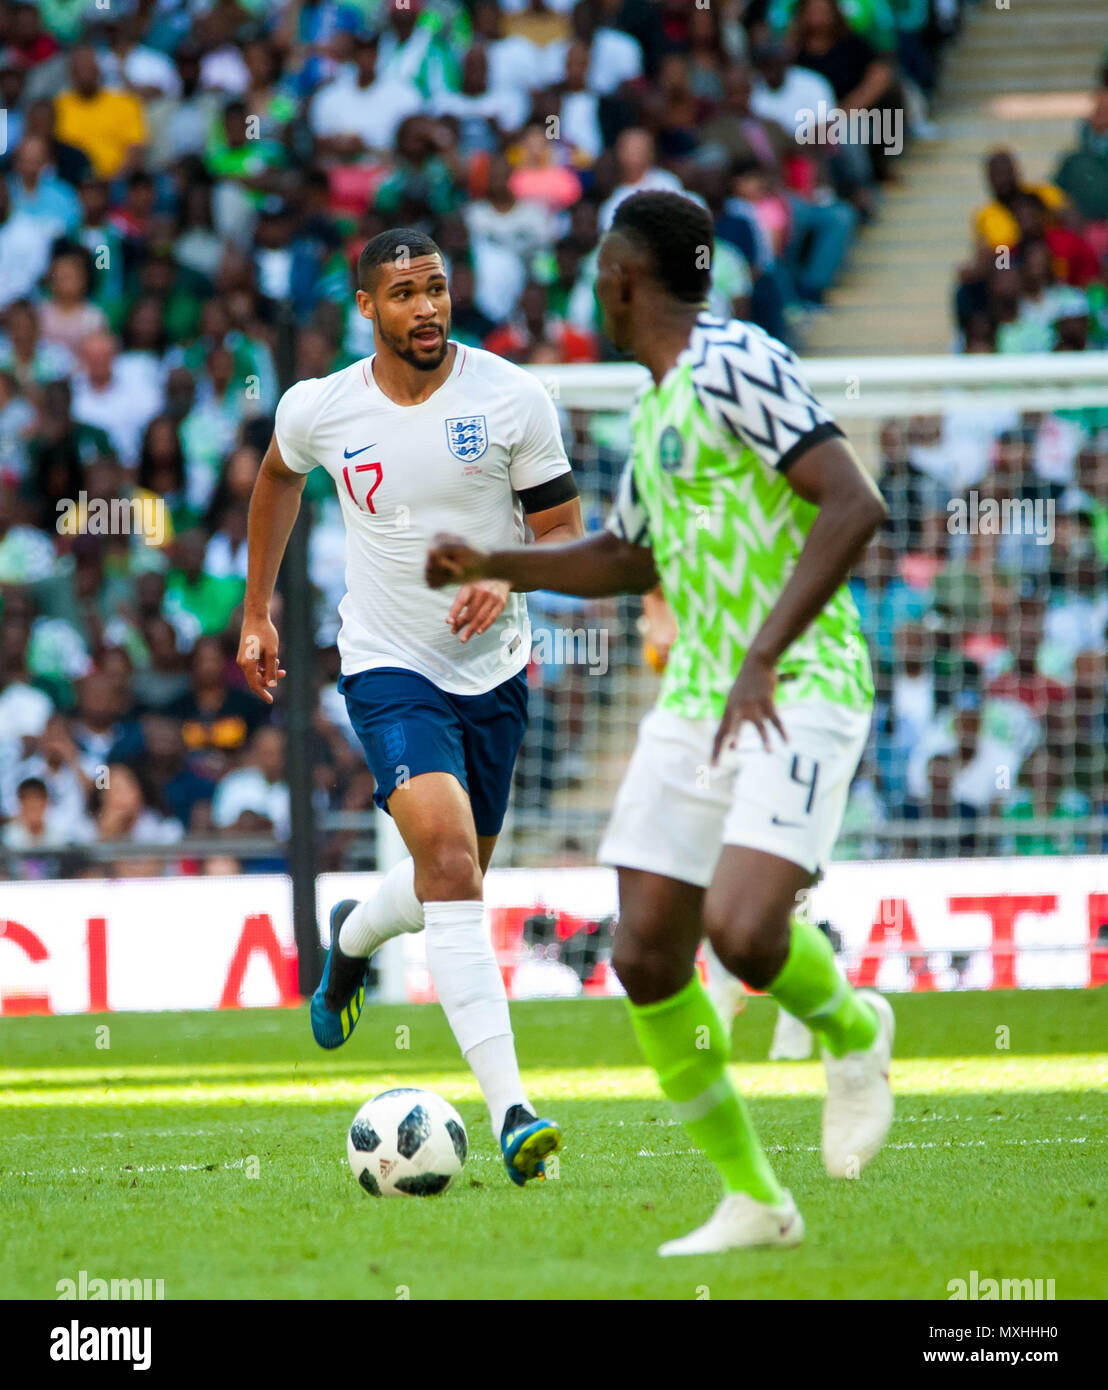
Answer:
(390, 246)
(32, 784)
(679, 235)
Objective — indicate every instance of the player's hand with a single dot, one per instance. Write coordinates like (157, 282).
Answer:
(451, 560)
(659, 631)
(751, 698)
(258, 657)
(477, 607)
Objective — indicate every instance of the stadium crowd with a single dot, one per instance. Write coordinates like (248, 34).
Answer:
(991, 641)
(183, 177)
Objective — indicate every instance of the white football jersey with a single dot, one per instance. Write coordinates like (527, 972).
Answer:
(455, 462)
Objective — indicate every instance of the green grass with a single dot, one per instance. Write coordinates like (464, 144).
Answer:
(133, 1160)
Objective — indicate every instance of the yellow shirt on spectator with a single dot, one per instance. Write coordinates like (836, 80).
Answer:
(104, 126)
(995, 226)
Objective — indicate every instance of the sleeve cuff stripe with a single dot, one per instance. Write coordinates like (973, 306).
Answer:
(828, 430)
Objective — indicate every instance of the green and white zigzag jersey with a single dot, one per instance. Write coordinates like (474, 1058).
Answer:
(705, 488)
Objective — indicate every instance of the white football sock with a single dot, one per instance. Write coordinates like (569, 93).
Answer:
(393, 909)
(467, 980)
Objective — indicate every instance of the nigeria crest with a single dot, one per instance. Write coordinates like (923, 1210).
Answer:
(670, 449)
(468, 437)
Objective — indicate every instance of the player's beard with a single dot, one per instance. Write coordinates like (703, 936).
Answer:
(408, 352)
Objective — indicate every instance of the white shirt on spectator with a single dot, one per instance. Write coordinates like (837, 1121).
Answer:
(614, 57)
(142, 67)
(654, 180)
(65, 789)
(225, 70)
(515, 64)
(508, 108)
(341, 107)
(248, 790)
(580, 117)
(24, 256)
(121, 409)
(24, 710)
(524, 229)
(795, 101)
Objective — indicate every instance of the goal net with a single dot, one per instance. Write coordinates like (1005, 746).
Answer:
(984, 602)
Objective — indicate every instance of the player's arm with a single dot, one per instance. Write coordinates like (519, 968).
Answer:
(831, 477)
(595, 566)
(274, 505)
(554, 515)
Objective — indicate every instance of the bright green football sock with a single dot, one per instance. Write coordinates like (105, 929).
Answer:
(813, 988)
(684, 1041)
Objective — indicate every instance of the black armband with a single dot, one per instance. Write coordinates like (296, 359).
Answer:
(552, 493)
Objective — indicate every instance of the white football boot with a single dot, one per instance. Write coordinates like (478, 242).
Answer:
(738, 1223)
(792, 1039)
(859, 1106)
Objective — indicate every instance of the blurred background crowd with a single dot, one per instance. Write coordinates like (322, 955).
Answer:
(179, 175)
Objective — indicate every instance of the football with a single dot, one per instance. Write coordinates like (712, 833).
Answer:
(406, 1143)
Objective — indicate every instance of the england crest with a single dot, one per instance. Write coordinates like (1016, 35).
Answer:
(468, 437)
(393, 742)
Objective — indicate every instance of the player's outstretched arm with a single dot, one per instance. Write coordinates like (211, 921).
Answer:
(594, 567)
(274, 505)
(831, 477)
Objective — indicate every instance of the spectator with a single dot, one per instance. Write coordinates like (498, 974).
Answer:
(108, 126)
(24, 251)
(125, 810)
(542, 170)
(210, 600)
(68, 317)
(485, 114)
(637, 171)
(360, 111)
(614, 57)
(38, 191)
(1083, 173)
(66, 773)
(534, 328)
(862, 76)
(513, 60)
(214, 715)
(507, 233)
(119, 405)
(255, 800)
(36, 826)
(995, 225)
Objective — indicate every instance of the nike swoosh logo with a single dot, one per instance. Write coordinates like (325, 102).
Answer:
(353, 453)
(791, 824)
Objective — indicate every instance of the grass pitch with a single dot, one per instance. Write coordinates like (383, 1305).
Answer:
(208, 1150)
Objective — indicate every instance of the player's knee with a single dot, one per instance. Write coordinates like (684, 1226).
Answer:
(750, 938)
(449, 873)
(645, 971)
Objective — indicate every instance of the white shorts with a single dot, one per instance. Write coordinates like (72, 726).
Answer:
(674, 812)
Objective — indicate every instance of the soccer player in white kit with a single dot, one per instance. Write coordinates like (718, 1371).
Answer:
(425, 436)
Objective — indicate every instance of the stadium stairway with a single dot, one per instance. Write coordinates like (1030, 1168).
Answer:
(1018, 77)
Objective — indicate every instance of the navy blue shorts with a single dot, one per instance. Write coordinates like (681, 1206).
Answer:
(408, 726)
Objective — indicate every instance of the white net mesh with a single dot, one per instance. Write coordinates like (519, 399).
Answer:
(984, 602)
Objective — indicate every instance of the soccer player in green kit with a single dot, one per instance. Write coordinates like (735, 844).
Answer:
(745, 500)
